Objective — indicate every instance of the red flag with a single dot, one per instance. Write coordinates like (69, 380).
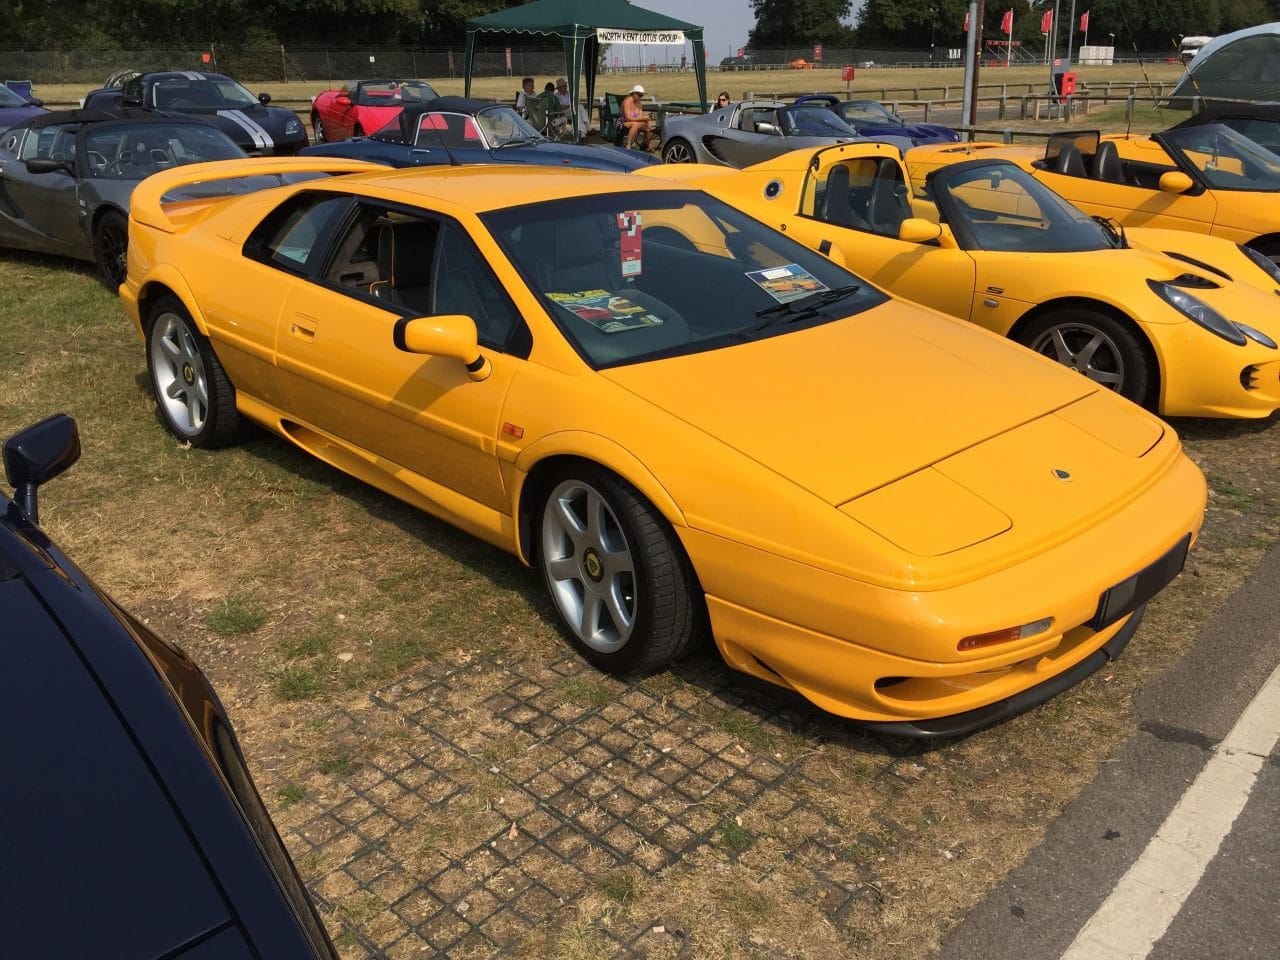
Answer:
(1084, 22)
(1006, 22)
(966, 21)
(1046, 22)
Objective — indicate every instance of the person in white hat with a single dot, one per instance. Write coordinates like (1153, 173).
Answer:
(634, 118)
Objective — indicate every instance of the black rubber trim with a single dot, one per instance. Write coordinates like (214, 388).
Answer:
(397, 333)
(476, 364)
(971, 721)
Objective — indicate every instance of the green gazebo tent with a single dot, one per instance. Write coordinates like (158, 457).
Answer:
(582, 26)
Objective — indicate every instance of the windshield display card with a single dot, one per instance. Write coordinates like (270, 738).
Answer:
(787, 283)
(607, 312)
(629, 232)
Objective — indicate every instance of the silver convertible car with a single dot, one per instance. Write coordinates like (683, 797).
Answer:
(755, 130)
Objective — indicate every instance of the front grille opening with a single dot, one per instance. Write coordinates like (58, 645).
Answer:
(1194, 281)
(885, 683)
(1249, 377)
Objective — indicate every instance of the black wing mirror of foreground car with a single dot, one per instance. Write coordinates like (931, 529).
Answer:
(918, 230)
(38, 454)
(45, 165)
(448, 335)
(1175, 181)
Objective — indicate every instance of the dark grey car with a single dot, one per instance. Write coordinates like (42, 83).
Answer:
(66, 177)
(757, 130)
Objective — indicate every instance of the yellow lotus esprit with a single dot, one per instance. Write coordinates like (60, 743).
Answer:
(1181, 324)
(1208, 179)
(902, 517)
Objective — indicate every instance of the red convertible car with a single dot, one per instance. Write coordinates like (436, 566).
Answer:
(363, 106)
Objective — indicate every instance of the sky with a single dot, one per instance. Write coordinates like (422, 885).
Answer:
(725, 25)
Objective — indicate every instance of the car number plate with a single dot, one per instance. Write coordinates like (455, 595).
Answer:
(1131, 593)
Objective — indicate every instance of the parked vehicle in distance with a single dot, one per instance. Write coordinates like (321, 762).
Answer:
(457, 130)
(66, 177)
(363, 106)
(756, 130)
(257, 128)
(1203, 179)
(992, 244)
(568, 364)
(137, 827)
(736, 63)
(873, 119)
(15, 108)
(1190, 46)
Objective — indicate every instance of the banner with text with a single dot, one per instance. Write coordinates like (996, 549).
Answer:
(609, 35)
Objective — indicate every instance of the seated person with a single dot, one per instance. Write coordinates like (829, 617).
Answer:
(526, 94)
(634, 119)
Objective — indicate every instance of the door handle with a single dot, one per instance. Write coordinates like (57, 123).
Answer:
(302, 327)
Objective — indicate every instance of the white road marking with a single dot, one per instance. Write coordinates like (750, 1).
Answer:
(1149, 896)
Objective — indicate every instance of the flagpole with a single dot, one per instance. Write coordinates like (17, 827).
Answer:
(1071, 32)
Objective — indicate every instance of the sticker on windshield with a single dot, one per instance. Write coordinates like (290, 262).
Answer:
(607, 312)
(629, 233)
(787, 283)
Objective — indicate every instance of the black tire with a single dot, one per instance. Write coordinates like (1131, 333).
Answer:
(111, 247)
(1098, 346)
(194, 397)
(317, 128)
(622, 588)
(678, 151)
(357, 131)
(1269, 249)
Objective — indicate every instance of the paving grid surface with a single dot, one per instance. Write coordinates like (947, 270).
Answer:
(640, 781)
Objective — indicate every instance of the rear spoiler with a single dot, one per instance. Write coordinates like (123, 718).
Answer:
(145, 206)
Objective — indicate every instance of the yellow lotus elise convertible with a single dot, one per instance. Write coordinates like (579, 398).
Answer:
(1206, 179)
(902, 517)
(1181, 324)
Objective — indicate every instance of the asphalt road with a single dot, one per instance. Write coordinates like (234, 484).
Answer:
(1232, 910)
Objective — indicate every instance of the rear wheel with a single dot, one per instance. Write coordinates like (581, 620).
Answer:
(110, 247)
(194, 397)
(317, 128)
(1097, 346)
(622, 587)
(678, 151)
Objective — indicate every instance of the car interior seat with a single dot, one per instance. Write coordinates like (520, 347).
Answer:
(1070, 162)
(889, 205)
(1107, 165)
(405, 256)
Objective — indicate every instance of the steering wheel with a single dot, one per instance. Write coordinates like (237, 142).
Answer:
(116, 166)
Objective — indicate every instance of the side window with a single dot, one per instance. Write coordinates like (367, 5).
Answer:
(293, 235)
(465, 284)
(133, 88)
(49, 143)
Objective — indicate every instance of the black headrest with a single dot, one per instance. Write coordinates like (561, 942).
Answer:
(1106, 163)
(1070, 162)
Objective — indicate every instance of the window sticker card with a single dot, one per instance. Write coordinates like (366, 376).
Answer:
(629, 233)
(607, 312)
(788, 282)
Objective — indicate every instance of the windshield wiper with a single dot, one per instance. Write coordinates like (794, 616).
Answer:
(536, 138)
(1115, 230)
(804, 308)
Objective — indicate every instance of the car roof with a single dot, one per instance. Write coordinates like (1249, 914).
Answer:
(106, 116)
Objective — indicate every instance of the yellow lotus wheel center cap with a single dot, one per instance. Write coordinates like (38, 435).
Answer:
(591, 564)
(188, 374)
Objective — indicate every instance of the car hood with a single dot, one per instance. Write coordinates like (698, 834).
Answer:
(844, 408)
(616, 159)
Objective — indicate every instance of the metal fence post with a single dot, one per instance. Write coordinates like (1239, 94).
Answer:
(1008, 135)
(1022, 112)
(928, 104)
(1128, 109)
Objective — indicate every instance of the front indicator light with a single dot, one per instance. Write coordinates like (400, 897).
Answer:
(1007, 635)
(1256, 335)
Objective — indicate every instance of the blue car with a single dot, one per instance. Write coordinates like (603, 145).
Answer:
(455, 130)
(872, 119)
(14, 108)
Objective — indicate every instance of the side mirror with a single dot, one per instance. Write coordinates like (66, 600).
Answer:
(341, 100)
(1175, 181)
(131, 101)
(38, 454)
(764, 126)
(918, 230)
(45, 165)
(36, 102)
(448, 335)
(264, 98)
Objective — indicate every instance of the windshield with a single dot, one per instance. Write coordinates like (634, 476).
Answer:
(867, 111)
(814, 121)
(632, 276)
(502, 125)
(10, 99)
(131, 151)
(999, 206)
(183, 94)
(393, 93)
(1225, 159)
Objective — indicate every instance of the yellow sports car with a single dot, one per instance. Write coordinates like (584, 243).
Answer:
(1171, 331)
(1207, 179)
(906, 519)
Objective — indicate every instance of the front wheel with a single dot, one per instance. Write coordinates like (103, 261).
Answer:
(1097, 346)
(194, 396)
(678, 151)
(1269, 249)
(110, 247)
(622, 587)
(357, 131)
